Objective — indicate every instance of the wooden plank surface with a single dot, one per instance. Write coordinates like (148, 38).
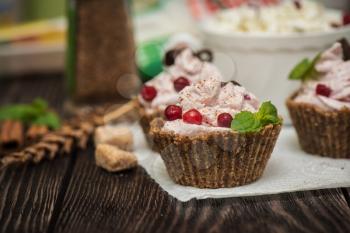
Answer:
(131, 202)
(71, 194)
(28, 193)
(347, 195)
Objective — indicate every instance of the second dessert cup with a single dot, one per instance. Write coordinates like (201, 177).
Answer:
(321, 132)
(185, 68)
(145, 122)
(320, 109)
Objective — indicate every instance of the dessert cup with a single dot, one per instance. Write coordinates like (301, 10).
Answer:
(182, 68)
(217, 136)
(219, 159)
(321, 132)
(145, 122)
(320, 109)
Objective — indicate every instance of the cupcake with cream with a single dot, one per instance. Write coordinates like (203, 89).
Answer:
(182, 68)
(218, 135)
(320, 110)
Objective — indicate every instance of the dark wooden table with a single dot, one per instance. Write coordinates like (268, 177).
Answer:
(71, 194)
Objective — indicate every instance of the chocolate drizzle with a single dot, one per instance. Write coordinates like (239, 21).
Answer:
(232, 81)
(346, 48)
(204, 55)
(170, 56)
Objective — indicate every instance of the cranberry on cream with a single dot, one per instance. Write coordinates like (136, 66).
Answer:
(331, 91)
(211, 98)
(186, 70)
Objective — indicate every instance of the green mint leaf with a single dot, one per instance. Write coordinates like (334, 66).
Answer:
(305, 70)
(35, 113)
(300, 70)
(267, 108)
(269, 119)
(245, 122)
(268, 114)
(49, 119)
(312, 73)
(19, 112)
(40, 104)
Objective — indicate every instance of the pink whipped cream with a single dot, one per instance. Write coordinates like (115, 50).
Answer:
(186, 65)
(335, 76)
(211, 97)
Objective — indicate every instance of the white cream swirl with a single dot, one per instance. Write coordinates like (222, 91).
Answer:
(189, 66)
(211, 98)
(186, 65)
(285, 18)
(335, 75)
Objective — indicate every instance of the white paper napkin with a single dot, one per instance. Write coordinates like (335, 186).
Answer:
(288, 170)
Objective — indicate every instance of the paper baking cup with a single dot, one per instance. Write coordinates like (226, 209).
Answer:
(216, 159)
(321, 132)
(145, 122)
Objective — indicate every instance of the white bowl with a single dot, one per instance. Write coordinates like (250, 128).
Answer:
(263, 62)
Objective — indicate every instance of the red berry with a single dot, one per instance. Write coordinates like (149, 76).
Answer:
(224, 120)
(173, 112)
(180, 83)
(193, 117)
(346, 18)
(323, 90)
(148, 93)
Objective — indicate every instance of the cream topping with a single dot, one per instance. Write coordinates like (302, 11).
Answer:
(179, 127)
(166, 93)
(186, 65)
(191, 67)
(284, 18)
(335, 74)
(210, 98)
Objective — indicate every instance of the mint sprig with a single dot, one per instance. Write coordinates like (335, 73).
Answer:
(247, 122)
(35, 113)
(305, 70)
(49, 119)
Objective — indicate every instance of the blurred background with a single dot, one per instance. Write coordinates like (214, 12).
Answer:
(33, 32)
(92, 40)
(32, 36)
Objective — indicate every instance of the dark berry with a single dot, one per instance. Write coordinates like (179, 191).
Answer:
(148, 93)
(346, 18)
(193, 117)
(247, 97)
(181, 83)
(346, 48)
(323, 90)
(232, 81)
(297, 4)
(173, 112)
(224, 120)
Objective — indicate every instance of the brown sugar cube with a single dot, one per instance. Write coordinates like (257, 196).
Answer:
(113, 159)
(114, 135)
